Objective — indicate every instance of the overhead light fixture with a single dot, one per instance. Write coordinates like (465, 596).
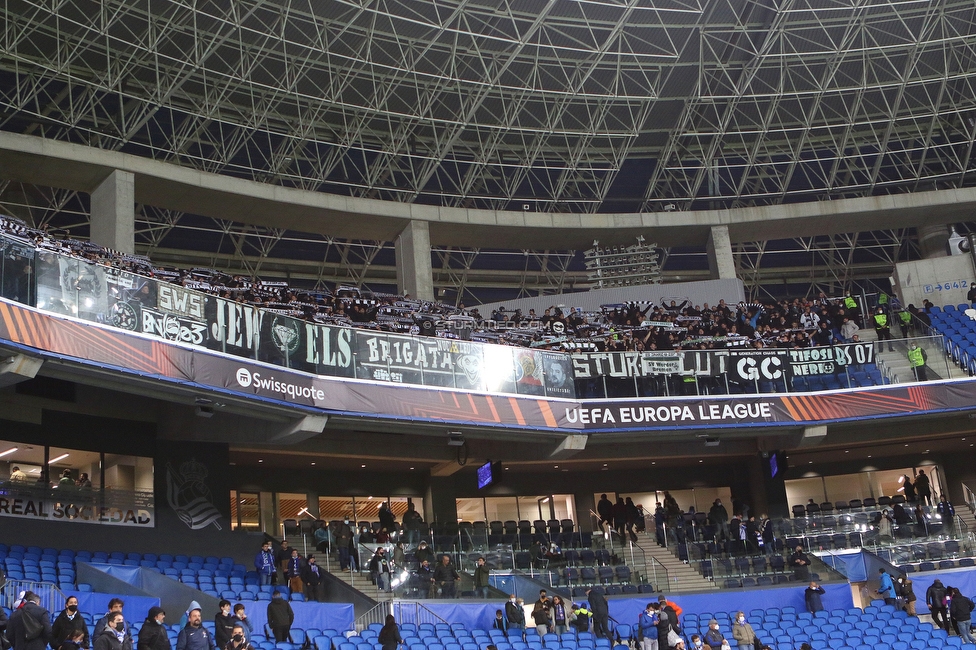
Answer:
(8, 452)
(58, 459)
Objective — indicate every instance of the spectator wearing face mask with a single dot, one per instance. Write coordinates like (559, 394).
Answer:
(742, 632)
(152, 634)
(238, 639)
(515, 616)
(713, 637)
(115, 606)
(68, 622)
(344, 541)
(114, 635)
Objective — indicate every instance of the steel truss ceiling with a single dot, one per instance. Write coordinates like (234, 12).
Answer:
(567, 105)
(572, 105)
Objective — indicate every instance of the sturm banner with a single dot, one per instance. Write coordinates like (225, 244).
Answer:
(702, 363)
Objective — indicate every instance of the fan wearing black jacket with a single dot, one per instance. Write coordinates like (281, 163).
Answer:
(152, 634)
(68, 622)
(223, 624)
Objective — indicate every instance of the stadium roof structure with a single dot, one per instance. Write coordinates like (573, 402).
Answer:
(561, 107)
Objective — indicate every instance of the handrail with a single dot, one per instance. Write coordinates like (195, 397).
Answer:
(52, 598)
(414, 612)
(654, 564)
(376, 614)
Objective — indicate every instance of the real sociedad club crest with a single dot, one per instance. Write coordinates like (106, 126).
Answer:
(189, 496)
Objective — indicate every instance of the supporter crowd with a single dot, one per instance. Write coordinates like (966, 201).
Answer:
(636, 326)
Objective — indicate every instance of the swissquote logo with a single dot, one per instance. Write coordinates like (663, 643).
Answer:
(243, 377)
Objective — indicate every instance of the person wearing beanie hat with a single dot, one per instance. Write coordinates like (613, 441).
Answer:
(194, 636)
(152, 634)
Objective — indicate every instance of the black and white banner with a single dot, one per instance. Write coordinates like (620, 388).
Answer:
(751, 365)
(830, 359)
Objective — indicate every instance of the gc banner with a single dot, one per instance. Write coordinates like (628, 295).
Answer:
(758, 365)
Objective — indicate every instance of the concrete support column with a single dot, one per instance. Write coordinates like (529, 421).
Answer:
(414, 271)
(113, 212)
(932, 241)
(440, 501)
(721, 263)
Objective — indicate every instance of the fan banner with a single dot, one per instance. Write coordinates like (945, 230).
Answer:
(64, 337)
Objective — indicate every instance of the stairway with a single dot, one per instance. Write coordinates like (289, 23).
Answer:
(967, 517)
(681, 577)
(358, 580)
(896, 363)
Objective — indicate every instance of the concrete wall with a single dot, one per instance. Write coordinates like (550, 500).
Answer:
(921, 280)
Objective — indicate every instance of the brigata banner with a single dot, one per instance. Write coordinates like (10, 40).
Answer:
(135, 357)
(830, 359)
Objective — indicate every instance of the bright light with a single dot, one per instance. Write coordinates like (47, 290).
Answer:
(59, 458)
(399, 580)
(8, 452)
(303, 511)
(901, 479)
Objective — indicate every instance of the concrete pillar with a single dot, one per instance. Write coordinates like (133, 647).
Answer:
(414, 271)
(932, 241)
(721, 263)
(440, 501)
(113, 212)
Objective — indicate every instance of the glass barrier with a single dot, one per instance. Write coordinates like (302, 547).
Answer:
(17, 269)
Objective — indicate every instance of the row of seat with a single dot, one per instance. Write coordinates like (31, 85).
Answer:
(959, 334)
(843, 506)
(940, 565)
(605, 575)
(878, 626)
(762, 581)
(586, 557)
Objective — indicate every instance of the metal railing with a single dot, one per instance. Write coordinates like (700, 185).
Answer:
(52, 598)
(67, 497)
(654, 572)
(412, 612)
